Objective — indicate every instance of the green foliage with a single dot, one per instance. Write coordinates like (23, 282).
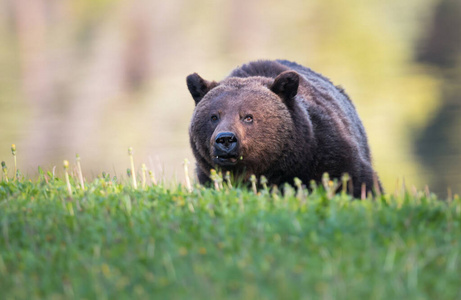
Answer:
(56, 56)
(110, 240)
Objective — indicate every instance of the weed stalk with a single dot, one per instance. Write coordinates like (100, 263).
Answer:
(264, 182)
(376, 185)
(215, 177)
(152, 177)
(79, 170)
(133, 171)
(345, 179)
(228, 180)
(220, 180)
(275, 194)
(330, 186)
(427, 191)
(299, 185)
(186, 173)
(13, 151)
(143, 173)
(66, 168)
(253, 184)
(4, 171)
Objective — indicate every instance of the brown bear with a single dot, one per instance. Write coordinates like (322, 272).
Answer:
(281, 120)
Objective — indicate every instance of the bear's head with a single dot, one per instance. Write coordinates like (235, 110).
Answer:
(242, 125)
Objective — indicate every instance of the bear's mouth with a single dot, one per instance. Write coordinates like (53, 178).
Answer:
(226, 159)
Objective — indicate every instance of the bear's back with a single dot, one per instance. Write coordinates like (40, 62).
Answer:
(329, 97)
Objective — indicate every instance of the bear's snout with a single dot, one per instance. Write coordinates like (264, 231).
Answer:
(226, 149)
(226, 141)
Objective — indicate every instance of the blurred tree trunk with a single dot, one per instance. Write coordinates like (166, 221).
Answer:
(439, 143)
(140, 44)
(246, 30)
(36, 72)
(70, 87)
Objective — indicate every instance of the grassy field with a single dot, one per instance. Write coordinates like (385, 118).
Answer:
(113, 241)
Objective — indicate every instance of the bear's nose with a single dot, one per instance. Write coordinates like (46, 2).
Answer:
(226, 140)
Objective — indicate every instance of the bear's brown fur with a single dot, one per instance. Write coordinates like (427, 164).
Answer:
(281, 120)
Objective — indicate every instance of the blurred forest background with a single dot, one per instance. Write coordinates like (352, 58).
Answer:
(97, 76)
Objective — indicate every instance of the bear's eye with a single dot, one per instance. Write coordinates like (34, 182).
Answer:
(214, 118)
(248, 119)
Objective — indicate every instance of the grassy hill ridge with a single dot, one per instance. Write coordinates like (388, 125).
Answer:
(113, 241)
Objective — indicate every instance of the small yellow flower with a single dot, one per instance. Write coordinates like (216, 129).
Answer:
(105, 270)
(182, 251)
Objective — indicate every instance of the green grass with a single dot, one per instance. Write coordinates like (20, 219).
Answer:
(112, 241)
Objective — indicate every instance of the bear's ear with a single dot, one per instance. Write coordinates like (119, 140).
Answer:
(198, 87)
(286, 86)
